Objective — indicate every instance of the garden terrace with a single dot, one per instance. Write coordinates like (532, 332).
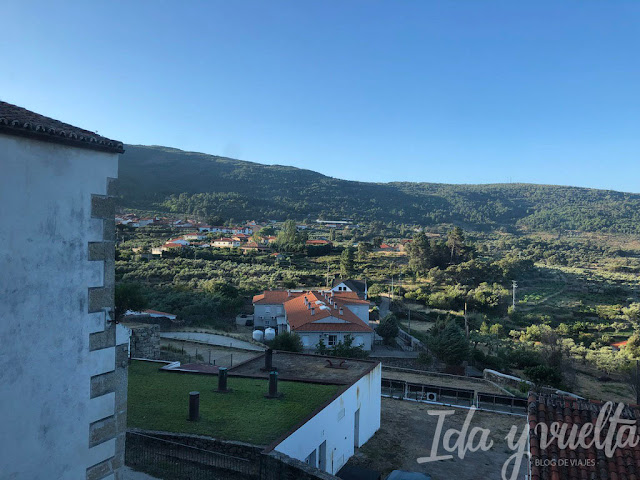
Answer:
(158, 400)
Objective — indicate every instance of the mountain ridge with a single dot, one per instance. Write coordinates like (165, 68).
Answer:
(201, 184)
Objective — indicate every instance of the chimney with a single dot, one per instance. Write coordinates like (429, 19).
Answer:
(268, 360)
(332, 292)
(340, 311)
(313, 311)
(288, 293)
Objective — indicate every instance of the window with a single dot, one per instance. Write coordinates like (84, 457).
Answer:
(333, 339)
(267, 323)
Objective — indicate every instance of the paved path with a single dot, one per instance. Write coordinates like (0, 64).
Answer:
(212, 339)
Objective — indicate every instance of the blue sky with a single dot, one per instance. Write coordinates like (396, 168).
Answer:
(439, 91)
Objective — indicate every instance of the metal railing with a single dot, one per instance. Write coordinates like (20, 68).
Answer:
(460, 397)
(166, 459)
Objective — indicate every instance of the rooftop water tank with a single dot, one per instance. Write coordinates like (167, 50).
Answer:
(269, 334)
(258, 335)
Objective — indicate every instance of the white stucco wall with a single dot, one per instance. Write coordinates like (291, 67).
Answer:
(313, 339)
(360, 310)
(335, 424)
(45, 362)
(267, 312)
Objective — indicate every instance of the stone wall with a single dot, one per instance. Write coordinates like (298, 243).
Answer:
(145, 341)
(504, 380)
(259, 465)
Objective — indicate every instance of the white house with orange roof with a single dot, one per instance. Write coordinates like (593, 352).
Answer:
(315, 315)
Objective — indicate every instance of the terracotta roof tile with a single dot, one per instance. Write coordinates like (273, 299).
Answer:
(16, 120)
(301, 318)
(589, 464)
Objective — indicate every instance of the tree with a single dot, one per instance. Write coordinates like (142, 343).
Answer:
(288, 235)
(363, 250)
(449, 344)
(322, 347)
(633, 346)
(266, 231)
(632, 313)
(128, 296)
(346, 349)
(287, 342)
(419, 254)
(497, 330)
(543, 375)
(346, 262)
(455, 242)
(388, 329)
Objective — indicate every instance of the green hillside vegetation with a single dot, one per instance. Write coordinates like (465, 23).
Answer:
(169, 180)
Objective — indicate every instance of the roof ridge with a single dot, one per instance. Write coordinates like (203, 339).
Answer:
(15, 120)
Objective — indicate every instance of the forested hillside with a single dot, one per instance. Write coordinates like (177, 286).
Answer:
(171, 180)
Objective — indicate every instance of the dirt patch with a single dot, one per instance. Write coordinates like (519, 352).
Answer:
(406, 433)
(589, 387)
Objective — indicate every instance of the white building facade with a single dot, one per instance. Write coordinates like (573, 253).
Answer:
(330, 438)
(63, 380)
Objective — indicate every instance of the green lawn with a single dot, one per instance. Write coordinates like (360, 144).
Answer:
(159, 400)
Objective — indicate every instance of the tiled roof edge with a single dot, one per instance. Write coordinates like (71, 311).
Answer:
(64, 134)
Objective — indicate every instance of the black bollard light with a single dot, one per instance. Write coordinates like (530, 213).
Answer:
(222, 380)
(273, 386)
(194, 406)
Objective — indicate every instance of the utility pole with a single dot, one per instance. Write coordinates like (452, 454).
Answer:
(515, 285)
(409, 321)
(327, 274)
(392, 288)
(466, 321)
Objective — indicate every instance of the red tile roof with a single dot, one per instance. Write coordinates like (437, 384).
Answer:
(553, 463)
(274, 297)
(173, 245)
(300, 317)
(318, 242)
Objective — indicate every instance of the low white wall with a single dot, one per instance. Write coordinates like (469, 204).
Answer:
(335, 424)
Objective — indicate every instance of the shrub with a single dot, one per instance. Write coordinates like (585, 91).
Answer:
(388, 328)
(286, 341)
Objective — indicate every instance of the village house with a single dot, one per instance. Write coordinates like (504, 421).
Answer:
(318, 242)
(254, 247)
(193, 236)
(359, 287)
(315, 315)
(64, 384)
(226, 242)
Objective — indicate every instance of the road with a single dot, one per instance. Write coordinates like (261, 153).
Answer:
(212, 339)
